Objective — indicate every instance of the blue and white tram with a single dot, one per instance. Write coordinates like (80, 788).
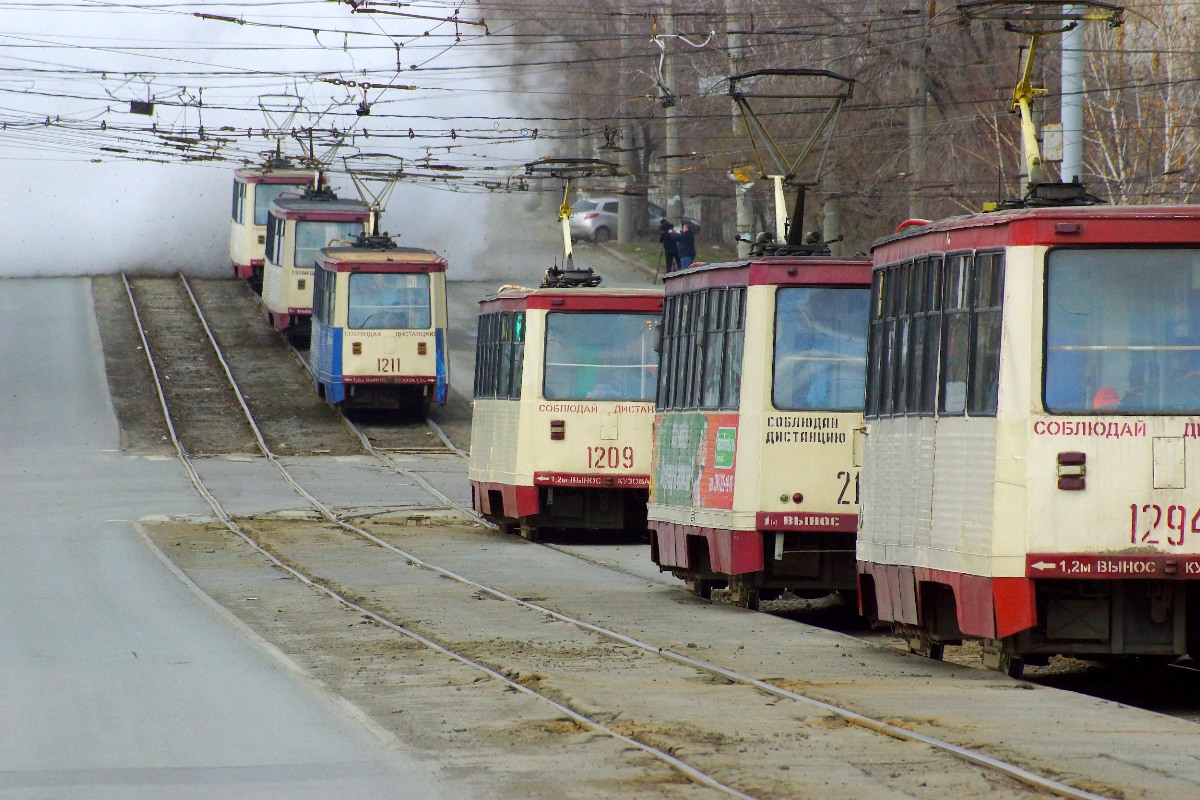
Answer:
(379, 326)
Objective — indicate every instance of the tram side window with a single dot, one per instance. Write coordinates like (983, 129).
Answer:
(323, 282)
(275, 239)
(987, 300)
(581, 365)
(500, 355)
(702, 339)
(875, 348)
(820, 348)
(1122, 331)
(956, 333)
(666, 353)
(931, 342)
(239, 201)
(735, 335)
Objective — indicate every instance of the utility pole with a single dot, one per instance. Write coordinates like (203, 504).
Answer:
(672, 184)
(918, 121)
(1072, 102)
(626, 227)
(734, 16)
(831, 222)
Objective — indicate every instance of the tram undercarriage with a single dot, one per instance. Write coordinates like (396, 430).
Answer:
(1090, 619)
(759, 565)
(570, 509)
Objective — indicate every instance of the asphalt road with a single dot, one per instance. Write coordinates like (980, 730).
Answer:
(117, 680)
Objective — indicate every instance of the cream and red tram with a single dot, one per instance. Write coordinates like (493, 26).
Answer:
(253, 192)
(759, 411)
(379, 326)
(563, 409)
(1033, 412)
(297, 229)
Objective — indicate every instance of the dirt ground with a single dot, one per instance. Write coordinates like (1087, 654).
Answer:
(489, 740)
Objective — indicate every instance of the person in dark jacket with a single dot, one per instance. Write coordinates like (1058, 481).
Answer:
(685, 242)
(670, 244)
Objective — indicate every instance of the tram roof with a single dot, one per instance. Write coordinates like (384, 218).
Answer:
(1097, 225)
(519, 298)
(335, 210)
(772, 271)
(286, 175)
(378, 259)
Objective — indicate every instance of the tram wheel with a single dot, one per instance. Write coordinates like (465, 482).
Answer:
(924, 646)
(700, 588)
(744, 593)
(528, 532)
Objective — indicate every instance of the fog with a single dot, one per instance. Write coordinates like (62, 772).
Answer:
(72, 207)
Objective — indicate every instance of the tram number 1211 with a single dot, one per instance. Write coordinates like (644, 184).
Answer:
(601, 457)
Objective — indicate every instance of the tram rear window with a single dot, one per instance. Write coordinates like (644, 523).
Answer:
(1122, 331)
(600, 356)
(388, 300)
(312, 235)
(820, 348)
(267, 193)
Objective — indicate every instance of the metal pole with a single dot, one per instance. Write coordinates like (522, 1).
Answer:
(626, 227)
(918, 122)
(672, 184)
(737, 65)
(1072, 102)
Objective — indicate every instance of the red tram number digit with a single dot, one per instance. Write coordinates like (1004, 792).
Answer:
(1179, 525)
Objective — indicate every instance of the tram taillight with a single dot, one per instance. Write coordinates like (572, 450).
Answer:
(422, 348)
(558, 429)
(1072, 469)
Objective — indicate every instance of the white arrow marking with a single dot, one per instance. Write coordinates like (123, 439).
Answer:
(1043, 565)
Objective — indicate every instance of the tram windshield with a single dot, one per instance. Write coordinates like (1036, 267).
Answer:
(312, 235)
(388, 300)
(1122, 331)
(267, 193)
(820, 348)
(600, 356)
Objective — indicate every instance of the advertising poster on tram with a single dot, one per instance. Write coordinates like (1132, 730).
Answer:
(698, 456)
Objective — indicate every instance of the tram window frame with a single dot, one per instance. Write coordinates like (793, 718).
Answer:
(987, 315)
(274, 238)
(875, 327)
(735, 338)
(703, 333)
(323, 281)
(956, 321)
(239, 202)
(713, 350)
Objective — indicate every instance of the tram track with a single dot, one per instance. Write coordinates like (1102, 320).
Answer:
(277, 555)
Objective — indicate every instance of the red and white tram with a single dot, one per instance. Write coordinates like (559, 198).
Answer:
(564, 404)
(253, 192)
(297, 230)
(1033, 394)
(758, 422)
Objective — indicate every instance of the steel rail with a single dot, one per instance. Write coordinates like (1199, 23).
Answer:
(974, 757)
(682, 767)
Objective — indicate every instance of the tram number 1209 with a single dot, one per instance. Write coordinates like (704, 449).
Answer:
(1148, 529)
(601, 457)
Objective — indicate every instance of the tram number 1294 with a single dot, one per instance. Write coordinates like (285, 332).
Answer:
(601, 457)
(1148, 529)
